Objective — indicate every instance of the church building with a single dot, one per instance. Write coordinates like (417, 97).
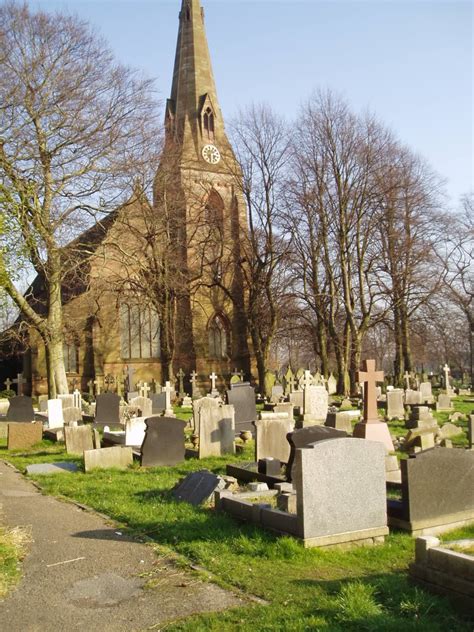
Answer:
(164, 287)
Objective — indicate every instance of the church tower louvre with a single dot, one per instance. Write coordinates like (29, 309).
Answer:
(209, 214)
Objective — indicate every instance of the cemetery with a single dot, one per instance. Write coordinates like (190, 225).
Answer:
(271, 477)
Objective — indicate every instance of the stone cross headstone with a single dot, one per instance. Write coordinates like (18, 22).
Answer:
(194, 387)
(55, 413)
(236, 377)
(307, 379)
(164, 442)
(180, 375)
(446, 371)
(144, 390)
(98, 385)
(109, 381)
(168, 390)
(371, 427)
(214, 391)
(77, 399)
(8, 383)
(19, 383)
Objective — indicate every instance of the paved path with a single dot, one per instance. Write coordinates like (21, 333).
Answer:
(81, 574)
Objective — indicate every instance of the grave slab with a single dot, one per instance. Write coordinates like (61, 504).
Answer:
(198, 487)
(60, 467)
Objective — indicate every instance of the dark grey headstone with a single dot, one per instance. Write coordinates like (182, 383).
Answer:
(20, 409)
(304, 437)
(242, 398)
(164, 442)
(436, 483)
(158, 403)
(107, 410)
(197, 487)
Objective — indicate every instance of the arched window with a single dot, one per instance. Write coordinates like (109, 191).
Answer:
(139, 332)
(218, 331)
(208, 123)
(215, 211)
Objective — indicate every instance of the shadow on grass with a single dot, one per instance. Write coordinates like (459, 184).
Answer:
(106, 534)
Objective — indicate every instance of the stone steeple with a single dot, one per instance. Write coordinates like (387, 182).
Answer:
(193, 115)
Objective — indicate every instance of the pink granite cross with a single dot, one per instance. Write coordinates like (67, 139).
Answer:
(369, 377)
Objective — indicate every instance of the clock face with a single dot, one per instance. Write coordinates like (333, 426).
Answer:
(211, 154)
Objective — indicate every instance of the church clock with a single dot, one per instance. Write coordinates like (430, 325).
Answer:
(211, 154)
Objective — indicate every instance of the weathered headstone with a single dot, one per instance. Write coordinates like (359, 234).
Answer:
(214, 392)
(340, 421)
(72, 414)
(67, 400)
(444, 403)
(202, 401)
(449, 430)
(426, 393)
(107, 410)
(24, 435)
(242, 398)
(277, 393)
(144, 405)
(315, 405)
(296, 398)
(164, 442)
(395, 407)
(119, 457)
(216, 430)
(419, 438)
(412, 398)
(198, 487)
(421, 417)
(270, 439)
(78, 439)
(20, 409)
(332, 385)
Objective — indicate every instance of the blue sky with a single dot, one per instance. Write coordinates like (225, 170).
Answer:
(410, 62)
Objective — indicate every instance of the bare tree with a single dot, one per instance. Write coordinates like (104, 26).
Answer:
(74, 124)
(262, 146)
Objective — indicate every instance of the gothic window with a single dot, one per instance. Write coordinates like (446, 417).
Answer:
(218, 331)
(208, 122)
(139, 332)
(214, 215)
(70, 352)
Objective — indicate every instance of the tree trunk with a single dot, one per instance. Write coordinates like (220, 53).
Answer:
(55, 327)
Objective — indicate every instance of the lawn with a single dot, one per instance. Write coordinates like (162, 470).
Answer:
(302, 589)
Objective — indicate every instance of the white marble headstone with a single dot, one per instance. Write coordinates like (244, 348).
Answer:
(55, 413)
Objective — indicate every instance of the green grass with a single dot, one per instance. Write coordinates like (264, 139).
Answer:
(13, 544)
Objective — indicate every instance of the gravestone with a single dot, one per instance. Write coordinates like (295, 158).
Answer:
(296, 398)
(55, 414)
(203, 401)
(135, 432)
(66, 400)
(216, 430)
(426, 393)
(421, 417)
(59, 467)
(144, 405)
(158, 403)
(43, 403)
(340, 490)
(164, 442)
(277, 393)
(119, 457)
(437, 492)
(24, 435)
(420, 439)
(270, 439)
(444, 403)
(412, 398)
(371, 427)
(72, 414)
(78, 439)
(132, 395)
(307, 436)
(395, 407)
(270, 379)
(332, 385)
(285, 408)
(316, 403)
(198, 487)
(340, 421)
(20, 409)
(107, 411)
(242, 398)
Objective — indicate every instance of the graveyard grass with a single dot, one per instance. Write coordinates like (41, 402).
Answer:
(303, 589)
(13, 546)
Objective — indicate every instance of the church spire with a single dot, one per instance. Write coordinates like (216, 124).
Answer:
(193, 112)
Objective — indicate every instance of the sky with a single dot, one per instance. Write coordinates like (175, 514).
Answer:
(408, 61)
